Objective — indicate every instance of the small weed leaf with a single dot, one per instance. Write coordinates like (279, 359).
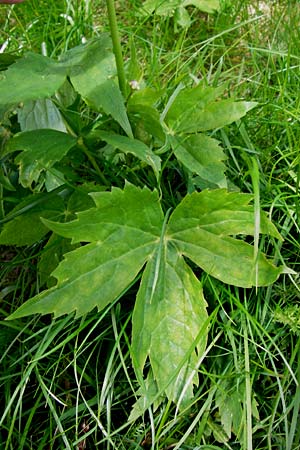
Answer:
(197, 109)
(202, 155)
(41, 149)
(126, 230)
(177, 9)
(135, 147)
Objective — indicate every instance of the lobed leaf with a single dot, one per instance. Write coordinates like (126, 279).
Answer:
(125, 231)
(170, 312)
(202, 227)
(122, 230)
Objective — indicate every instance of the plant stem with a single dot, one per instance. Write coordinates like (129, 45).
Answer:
(116, 45)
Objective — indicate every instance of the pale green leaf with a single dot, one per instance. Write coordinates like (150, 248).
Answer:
(202, 227)
(92, 69)
(122, 231)
(135, 147)
(170, 312)
(229, 401)
(32, 77)
(160, 7)
(41, 149)
(92, 63)
(208, 6)
(189, 99)
(125, 231)
(212, 116)
(202, 155)
(182, 17)
(148, 396)
(197, 109)
(168, 7)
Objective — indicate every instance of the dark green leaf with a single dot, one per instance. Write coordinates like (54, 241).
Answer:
(135, 147)
(41, 149)
(38, 114)
(27, 228)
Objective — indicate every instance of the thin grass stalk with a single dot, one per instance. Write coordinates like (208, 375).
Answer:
(116, 45)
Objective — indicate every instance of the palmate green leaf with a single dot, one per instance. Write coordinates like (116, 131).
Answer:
(202, 155)
(126, 230)
(41, 149)
(122, 231)
(135, 147)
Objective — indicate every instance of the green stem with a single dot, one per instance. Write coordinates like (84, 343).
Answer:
(116, 45)
(93, 162)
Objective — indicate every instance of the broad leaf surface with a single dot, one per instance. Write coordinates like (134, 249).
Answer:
(202, 155)
(160, 7)
(202, 227)
(122, 231)
(169, 313)
(107, 96)
(135, 147)
(197, 109)
(41, 149)
(92, 69)
(168, 7)
(126, 231)
(40, 114)
(189, 99)
(32, 77)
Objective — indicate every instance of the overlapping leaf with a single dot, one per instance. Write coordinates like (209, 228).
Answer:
(125, 230)
(90, 67)
(41, 150)
(202, 155)
(25, 226)
(135, 147)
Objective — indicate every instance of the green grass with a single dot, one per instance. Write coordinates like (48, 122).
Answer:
(67, 380)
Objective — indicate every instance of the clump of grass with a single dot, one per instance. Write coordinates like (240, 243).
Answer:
(69, 383)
